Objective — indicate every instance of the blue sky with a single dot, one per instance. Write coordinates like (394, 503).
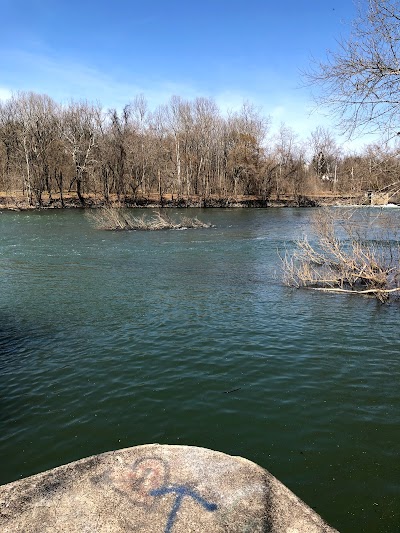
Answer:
(228, 50)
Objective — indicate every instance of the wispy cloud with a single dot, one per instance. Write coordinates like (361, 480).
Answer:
(230, 100)
(5, 93)
(66, 79)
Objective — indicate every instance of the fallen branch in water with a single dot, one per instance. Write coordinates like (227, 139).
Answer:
(346, 258)
(118, 219)
(348, 291)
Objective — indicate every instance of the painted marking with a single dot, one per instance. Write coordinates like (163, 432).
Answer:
(181, 491)
(137, 481)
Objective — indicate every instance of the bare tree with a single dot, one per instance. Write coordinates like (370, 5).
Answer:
(79, 128)
(186, 148)
(290, 156)
(326, 154)
(114, 144)
(28, 130)
(173, 114)
(360, 81)
(42, 135)
(9, 138)
(246, 132)
(161, 155)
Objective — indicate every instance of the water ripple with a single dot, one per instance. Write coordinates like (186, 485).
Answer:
(111, 340)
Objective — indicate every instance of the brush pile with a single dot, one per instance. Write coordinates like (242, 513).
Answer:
(118, 219)
(347, 255)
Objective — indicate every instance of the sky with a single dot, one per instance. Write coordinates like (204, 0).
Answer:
(231, 51)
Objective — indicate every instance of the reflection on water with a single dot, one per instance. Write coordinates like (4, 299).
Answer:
(110, 340)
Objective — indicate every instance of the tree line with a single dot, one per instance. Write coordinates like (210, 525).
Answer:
(183, 149)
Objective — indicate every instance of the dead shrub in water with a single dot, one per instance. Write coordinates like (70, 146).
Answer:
(116, 219)
(350, 255)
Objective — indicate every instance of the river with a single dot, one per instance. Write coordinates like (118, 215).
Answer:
(113, 339)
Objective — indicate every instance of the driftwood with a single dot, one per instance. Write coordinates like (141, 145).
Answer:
(345, 259)
(348, 291)
(118, 219)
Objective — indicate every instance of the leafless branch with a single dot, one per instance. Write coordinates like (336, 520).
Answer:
(360, 80)
(115, 219)
(345, 259)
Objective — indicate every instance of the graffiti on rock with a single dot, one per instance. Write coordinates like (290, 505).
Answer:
(138, 481)
(181, 491)
(144, 483)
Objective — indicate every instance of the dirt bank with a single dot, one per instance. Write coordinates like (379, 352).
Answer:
(17, 201)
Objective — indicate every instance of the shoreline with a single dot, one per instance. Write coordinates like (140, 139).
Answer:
(18, 202)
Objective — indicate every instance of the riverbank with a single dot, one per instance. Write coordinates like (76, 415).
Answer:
(17, 201)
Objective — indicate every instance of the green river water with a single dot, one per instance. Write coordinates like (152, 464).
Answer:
(114, 339)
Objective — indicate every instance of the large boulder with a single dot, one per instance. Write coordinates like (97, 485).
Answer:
(155, 488)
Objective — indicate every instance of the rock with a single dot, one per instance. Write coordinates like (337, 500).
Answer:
(155, 488)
